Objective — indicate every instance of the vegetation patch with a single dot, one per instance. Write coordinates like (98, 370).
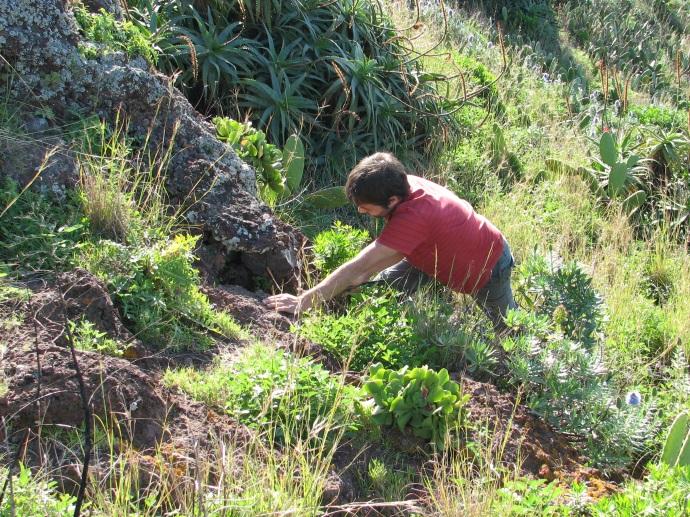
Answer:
(428, 402)
(158, 291)
(271, 390)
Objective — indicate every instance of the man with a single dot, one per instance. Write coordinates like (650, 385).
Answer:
(429, 234)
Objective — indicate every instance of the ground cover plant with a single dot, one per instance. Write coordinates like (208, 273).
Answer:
(264, 386)
(428, 401)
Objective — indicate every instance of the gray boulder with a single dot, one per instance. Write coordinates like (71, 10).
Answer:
(43, 68)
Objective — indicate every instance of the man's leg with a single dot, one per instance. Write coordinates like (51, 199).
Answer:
(404, 277)
(496, 297)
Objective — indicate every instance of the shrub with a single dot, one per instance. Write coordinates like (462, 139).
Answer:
(157, 290)
(563, 293)
(335, 246)
(426, 401)
(268, 388)
(335, 73)
(566, 383)
(35, 496)
(373, 328)
(666, 118)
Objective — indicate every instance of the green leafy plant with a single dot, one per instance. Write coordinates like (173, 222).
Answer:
(427, 401)
(373, 328)
(564, 293)
(267, 159)
(677, 446)
(263, 386)
(520, 497)
(335, 246)
(279, 173)
(157, 289)
(565, 381)
(36, 233)
(113, 35)
(32, 495)
(88, 337)
(663, 493)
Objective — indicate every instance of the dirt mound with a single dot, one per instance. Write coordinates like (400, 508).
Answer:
(41, 377)
(519, 436)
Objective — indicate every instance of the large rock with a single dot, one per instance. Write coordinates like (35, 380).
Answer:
(39, 39)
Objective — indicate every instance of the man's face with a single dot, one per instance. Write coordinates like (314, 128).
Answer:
(378, 210)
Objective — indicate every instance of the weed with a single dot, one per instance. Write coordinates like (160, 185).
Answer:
(386, 482)
(35, 233)
(34, 495)
(88, 337)
(373, 328)
(335, 246)
(263, 386)
(531, 497)
(663, 492)
(157, 289)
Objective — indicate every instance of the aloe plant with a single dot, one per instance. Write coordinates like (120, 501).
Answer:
(677, 445)
(333, 72)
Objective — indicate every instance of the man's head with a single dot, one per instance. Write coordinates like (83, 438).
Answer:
(377, 184)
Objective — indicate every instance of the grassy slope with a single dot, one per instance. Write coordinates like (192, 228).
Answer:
(536, 210)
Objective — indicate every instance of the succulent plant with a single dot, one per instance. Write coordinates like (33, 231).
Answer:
(677, 445)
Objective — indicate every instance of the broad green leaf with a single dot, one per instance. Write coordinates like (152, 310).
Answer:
(293, 162)
(617, 177)
(608, 149)
(332, 197)
(675, 440)
(403, 419)
(633, 160)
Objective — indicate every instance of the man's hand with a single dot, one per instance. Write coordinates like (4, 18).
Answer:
(287, 303)
(372, 259)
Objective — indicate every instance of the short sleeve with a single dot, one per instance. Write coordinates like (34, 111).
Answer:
(404, 232)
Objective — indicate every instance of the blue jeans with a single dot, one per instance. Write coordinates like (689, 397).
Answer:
(495, 298)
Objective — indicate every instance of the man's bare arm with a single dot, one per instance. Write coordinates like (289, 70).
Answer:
(371, 260)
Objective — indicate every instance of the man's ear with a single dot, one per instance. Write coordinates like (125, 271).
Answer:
(393, 201)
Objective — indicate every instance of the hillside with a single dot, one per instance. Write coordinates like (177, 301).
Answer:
(165, 166)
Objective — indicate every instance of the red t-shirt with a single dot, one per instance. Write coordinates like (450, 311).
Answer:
(442, 235)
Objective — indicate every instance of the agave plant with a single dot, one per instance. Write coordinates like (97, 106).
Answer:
(217, 55)
(333, 72)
